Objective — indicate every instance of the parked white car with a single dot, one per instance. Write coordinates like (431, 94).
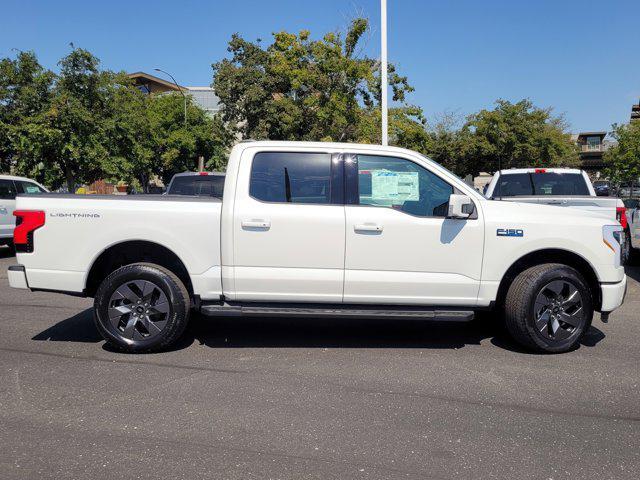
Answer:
(632, 232)
(9, 187)
(317, 229)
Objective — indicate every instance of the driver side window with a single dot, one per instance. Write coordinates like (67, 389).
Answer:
(402, 185)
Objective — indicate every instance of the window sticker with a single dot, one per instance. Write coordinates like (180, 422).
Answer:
(400, 186)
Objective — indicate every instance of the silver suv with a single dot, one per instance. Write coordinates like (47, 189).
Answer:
(9, 188)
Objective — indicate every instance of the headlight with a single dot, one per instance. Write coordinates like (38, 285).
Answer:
(612, 238)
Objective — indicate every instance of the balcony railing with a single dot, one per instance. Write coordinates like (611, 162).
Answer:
(592, 148)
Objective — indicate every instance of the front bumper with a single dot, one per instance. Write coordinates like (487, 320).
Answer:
(17, 277)
(613, 295)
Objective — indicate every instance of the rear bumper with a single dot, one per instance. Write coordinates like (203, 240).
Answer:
(17, 277)
(613, 295)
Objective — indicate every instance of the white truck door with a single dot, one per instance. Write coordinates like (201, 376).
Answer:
(7, 206)
(400, 247)
(289, 227)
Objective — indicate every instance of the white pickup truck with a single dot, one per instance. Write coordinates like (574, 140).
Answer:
(561, 187)
(313, 229)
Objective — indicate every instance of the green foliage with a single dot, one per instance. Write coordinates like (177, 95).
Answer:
(624, 157)
(86, 123)
(25, 92)
(149, 136)
(303, 89)
(517, 135)
(449, 144)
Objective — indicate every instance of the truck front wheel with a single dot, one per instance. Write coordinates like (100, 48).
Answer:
(548, 308)
(141, 307)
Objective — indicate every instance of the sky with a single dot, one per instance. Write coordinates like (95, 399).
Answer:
(582, 57)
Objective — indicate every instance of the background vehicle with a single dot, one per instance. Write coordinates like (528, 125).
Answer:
(628, 189)
(316, 229)
(562, 187)
(602, 188)
(632, 232)
(197, 183)
(9, 187)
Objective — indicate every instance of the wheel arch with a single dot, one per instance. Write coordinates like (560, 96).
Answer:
(134, 251)
(552, 255)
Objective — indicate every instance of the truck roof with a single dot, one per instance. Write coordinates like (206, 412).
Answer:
(14, 177)
(319, 145)
(539, 170)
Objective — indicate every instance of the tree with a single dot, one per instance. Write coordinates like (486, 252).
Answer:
(517, 135)
(25, 92)
(448, 143)
(149, 137)
(303, 89)
(87, 123)
(64, 140)
(178, 146)
(624, 157)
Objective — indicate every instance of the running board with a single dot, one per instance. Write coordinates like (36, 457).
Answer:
(440, 314)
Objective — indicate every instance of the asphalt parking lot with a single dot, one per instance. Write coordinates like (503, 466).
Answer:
(293, 399)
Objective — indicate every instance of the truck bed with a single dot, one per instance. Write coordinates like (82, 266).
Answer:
(78, 228)
(604, 206)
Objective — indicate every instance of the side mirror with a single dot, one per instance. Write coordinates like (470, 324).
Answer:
(460, 206)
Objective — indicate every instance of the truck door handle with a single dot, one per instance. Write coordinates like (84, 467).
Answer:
(261, 224)
(368, 227)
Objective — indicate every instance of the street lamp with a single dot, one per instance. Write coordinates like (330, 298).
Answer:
(383, 74)
(181, 91)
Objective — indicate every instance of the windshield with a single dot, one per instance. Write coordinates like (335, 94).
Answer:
(197, 185)
(546, 183)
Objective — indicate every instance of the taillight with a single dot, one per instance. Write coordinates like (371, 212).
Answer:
(621, 216)
(27, 221)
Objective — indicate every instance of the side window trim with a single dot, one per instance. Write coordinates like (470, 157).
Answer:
(352, 194)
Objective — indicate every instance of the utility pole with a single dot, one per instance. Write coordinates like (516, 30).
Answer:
(184, 97)
(383, 67)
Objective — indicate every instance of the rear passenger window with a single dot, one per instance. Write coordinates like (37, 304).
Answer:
(7, 190)
(291, 177)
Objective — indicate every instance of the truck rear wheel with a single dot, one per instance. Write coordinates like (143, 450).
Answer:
(141, 307)
(548, 308)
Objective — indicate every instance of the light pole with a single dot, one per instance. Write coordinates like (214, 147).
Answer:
(383, 74)
(180, 89)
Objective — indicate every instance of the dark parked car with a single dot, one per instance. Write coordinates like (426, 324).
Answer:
(207, 184)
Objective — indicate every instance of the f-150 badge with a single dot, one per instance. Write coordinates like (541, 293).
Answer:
(510, 232)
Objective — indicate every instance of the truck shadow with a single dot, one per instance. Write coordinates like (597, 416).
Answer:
(6, 252)
(633, 272)
(79, 328)
(236, 332)
(348, 333)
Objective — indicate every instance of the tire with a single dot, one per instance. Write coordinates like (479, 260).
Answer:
(537, 313)
(141, 307)
(627, 251)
